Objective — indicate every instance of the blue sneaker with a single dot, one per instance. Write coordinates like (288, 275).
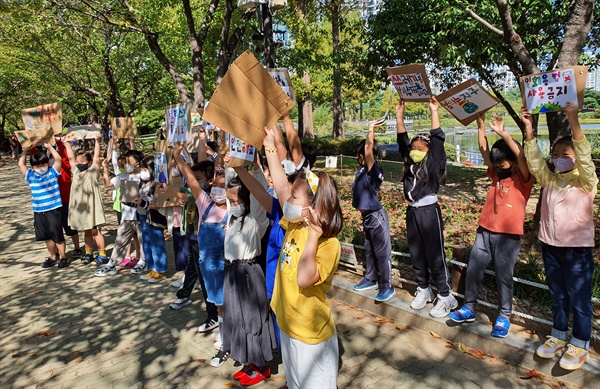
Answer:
(385, 294)
(464, 314)
(500, 329)
(365, 285)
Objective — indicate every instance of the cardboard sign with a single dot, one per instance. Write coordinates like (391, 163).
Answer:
(88, 131)
(247, 100)
(283, 79)
(551, 91)
(163, 200)
(196, 119)
(348, 254)
(411, 82)
(129, 190)
(161, 167)
(466, 100)
(241, 153)
(178, 119)
(124, 128)
(32, 138)
(43, 117)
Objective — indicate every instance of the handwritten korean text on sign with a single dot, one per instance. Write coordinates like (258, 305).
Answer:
(550, 91)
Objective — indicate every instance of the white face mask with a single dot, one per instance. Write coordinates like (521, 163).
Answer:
(237, 210)
(293, 212)
(218, 195)
(41, 170)
(145, 175)
(129, 168)
(289, 167)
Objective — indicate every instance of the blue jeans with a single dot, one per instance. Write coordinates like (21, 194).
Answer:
(569, 278)
(153, 242)
(181, 249)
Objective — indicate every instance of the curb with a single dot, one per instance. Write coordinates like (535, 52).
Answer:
(514, 348)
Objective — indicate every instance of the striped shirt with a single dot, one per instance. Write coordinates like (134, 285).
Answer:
(45, 193)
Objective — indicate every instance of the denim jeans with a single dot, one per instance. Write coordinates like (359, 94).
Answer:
(569, 278)
(181, 249)
(155, 250)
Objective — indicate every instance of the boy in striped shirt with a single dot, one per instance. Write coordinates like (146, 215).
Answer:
(46, 203)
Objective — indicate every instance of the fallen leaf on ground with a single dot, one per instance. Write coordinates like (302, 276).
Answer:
(200, 360)
(79, 360)
(230, 384)
(346, 332)
(78, 353)
(38, 292)
(331, 300)
(435, 335)
(451, 344)
(16, 356)
(33, 354)
(46, 333)
(383, 320)
(479, 354)
(360, 317)
(401, 326)
(530, 374)
(463, 348)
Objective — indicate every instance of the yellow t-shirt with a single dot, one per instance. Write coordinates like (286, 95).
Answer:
(303, 313)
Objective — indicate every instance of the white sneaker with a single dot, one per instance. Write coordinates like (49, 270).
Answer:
(106, 270)
(180, 303)
(208, 325)
(139, 267)
(443, 306)
(422, 297)
(178, 283)
(551, 347)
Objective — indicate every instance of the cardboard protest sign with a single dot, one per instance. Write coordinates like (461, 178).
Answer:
(283, 79)
(178, 119)
(32, 138)
(241, 153)
(195, 119)
(163, 200)
(43, 117)
(161, 167)
(124, 128)
(466, 100)
(88, 131)
(411, 82)
(129, 190)
(247, 100)
(551, 91)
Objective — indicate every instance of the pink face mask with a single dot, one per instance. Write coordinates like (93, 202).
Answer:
(563, 165)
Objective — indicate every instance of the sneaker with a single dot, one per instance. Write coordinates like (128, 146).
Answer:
(178, 283)
(501, 327)
(106, 270)
(216, 336)
(87, 259)
(255, 376)
(197, 285)
(422, 297)
(219, 359)
(63, 262)
(147, 276)
(125, 262)
(365, 285)
(77, 253)
(443, 306)
(156, 277)
(208, 325)
(550, 347)
(101, 260)
(139, 267)
(48, 263)
(385, 294)
(133, 263)
(574, 358)
(218, 344)
(464, 314)
(243, 373)
(180, 303)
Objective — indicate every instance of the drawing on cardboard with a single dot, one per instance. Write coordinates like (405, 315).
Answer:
(178, 119)
(124, 128)
(551, 91)
(411, 82)
(161, 167)
(43, 117)
(466, 100)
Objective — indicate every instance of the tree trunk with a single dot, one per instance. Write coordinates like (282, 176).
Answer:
(229, 42)
(338, 117)
(306, 111)
(269, 48)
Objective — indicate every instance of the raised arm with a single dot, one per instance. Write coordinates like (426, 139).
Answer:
(105, 176)
(369, 144)
(57, 157)
(201, 144)
(433, 108)
(23, 159)
(132, 143)
(280, 183)
(70, 154)
(280, 144)
(186, 171)
(96, 160)
(484, 147)
(572, 111)
(308, 272)
(293, 139)
(527, 121)
(584, 164)
(535, 161)
(497, 125)
(402, 135)
(256, 188)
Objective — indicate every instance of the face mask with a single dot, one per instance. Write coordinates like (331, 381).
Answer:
(293, 212)
(129, 168)
(145, 175)
(503, 173)
(417, 155)
(41, 170)
(175, 172)
(237, 210)
(218, 195)
(288, 167)
(564, 165)
(82, 167)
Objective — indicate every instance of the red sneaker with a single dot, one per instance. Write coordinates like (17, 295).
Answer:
(255, 376)
(244, 372)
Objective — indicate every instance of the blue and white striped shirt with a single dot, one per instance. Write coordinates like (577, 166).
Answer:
(45, 193)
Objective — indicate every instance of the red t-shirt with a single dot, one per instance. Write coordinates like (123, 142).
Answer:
(64, 180)
(504, 208)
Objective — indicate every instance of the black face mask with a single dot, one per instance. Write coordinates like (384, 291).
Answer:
(504, 173)
(82, 167)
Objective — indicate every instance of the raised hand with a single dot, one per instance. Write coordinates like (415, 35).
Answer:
(497, 124)
(269, 141)
(400, 108)
(433, 104)
(526, 116)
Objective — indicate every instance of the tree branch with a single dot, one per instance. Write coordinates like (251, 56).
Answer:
(481, 20)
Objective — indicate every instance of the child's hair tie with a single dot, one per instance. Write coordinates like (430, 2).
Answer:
(313, 180)
(424, 137)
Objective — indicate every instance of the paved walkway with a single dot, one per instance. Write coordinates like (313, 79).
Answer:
(66, 328)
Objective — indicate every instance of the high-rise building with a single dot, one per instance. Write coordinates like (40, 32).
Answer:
(593, 79)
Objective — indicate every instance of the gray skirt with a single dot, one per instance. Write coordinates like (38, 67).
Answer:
(247, 325)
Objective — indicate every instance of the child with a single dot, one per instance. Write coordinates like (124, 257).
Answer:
(424, 162)
(309, 257)
(153, 236)
(86, 211)
(46, 203)
(129, 223)
(567, 236)
(500, 224)
(376, 223)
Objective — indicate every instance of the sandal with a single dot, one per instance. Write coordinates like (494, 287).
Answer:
(87, 259)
